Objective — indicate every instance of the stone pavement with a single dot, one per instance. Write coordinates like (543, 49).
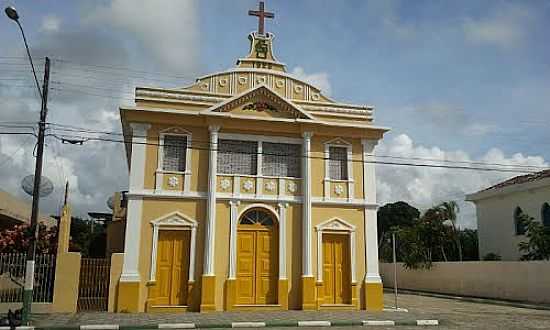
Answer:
(452, 314)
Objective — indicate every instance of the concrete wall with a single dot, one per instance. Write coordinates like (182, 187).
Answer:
(65, 295)
(512, 280)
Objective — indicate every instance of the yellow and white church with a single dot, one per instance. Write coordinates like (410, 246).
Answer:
(249, 190)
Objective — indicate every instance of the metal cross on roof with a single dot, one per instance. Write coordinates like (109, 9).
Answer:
(261, 16)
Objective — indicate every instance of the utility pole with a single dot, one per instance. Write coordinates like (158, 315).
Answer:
(394, 269)
(29, 271)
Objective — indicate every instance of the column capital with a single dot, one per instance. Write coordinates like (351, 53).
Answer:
(369, 145)
(139, 128)
(307, 135)
(214, 128)
(233, 202)
(282, 205)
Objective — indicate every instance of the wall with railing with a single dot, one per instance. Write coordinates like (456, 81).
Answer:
(55, 282)
(12, 276)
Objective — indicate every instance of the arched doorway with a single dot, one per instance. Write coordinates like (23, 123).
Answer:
(257, 258)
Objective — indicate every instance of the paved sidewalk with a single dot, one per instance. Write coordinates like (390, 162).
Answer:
(214, 318)
(452, 314)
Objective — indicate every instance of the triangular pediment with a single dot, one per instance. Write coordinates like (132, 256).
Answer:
(260, 101)
(335, 224)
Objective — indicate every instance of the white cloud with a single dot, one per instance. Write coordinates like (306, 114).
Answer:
(50, 23)
(505, 27)
(168, 29)
(319, 79)
(479, 129)
(423, 187)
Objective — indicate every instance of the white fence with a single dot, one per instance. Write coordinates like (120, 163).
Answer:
(12, 274)
(510, 280)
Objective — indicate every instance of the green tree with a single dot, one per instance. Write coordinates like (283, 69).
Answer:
(537, 246)
(393, 217)
(448, 212)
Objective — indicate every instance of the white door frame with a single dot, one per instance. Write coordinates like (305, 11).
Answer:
(174, 221)
(335, 226)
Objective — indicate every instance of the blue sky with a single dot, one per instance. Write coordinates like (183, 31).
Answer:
(465, 80)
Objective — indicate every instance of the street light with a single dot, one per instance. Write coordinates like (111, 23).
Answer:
(12, 14)
(29, 269)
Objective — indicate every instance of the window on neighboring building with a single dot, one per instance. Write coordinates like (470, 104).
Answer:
(237, 157)
(520, 225)
(281, 159)
(174, 153)
(338, 163)
(545, 214)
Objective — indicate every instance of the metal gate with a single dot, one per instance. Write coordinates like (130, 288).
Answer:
(93, 291)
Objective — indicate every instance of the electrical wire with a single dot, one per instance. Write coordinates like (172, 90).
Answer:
(487, 169)
(70, 128)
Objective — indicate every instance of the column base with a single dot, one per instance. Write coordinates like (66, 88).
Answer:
(282, 292)
(230, 294)
(374, 297)
(208, 293)
(128, 297)
(308, 293)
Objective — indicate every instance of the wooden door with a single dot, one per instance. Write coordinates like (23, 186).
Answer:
(172, 272)
(256, 260)
(265, 268)
(336, 269)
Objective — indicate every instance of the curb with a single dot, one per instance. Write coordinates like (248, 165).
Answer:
(315, 324)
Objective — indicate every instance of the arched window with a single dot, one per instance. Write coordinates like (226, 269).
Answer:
(520, 226)
(545, 214)
(257, 216)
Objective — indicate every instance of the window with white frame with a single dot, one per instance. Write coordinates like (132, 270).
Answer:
(237, 157)
(338, 163)
(281, 159)
(174, 153)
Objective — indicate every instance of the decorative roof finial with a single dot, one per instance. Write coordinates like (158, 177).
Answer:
(261, 16)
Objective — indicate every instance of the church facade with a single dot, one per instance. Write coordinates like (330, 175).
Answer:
(249, 190)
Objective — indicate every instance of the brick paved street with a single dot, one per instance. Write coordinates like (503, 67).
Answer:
(452, 314)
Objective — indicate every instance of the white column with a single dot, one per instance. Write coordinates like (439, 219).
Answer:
(130, 271)
(371, 220)
(192, 253)
(211, 203)
(282, 240)
(306, 206)
(259, 174)
(350, 173)
(233, 239)
(326, 180)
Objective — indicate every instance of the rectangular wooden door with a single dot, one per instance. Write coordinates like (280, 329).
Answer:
(172, 272)
(265, 279)
(336, 269)
(246, 266)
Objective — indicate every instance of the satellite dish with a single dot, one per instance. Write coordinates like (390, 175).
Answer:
(110, 203)
(46, 185)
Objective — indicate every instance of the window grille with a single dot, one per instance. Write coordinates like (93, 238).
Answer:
(237, 157)
(281, 159)
(174, 153)
(545, 214)
(256, 216)
(519, 224)
(338, 163)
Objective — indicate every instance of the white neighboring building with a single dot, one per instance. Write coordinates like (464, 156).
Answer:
(497, 207)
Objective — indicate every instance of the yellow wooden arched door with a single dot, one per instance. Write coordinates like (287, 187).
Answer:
(257, 258)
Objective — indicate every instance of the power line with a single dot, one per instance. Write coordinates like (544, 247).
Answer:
(487, 169)
(83, 130)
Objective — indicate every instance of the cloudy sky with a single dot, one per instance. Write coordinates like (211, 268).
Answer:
(455, 80)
